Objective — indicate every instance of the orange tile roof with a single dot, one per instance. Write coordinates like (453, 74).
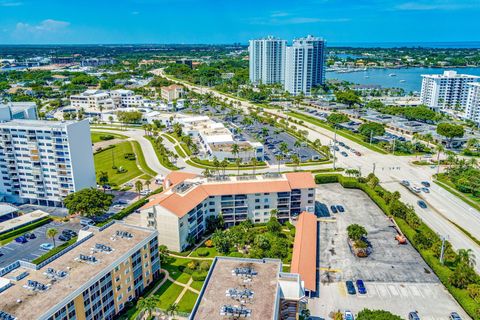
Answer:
(304, 258)
(181, 204)
(299, 180)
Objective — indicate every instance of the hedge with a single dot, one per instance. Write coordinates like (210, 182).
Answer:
(26, 228)
(443, 272)
(54, 251)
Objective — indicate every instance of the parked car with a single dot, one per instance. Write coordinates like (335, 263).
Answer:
(29, 235)
(86, 222)
(21, 239)
(361, 287)
(422, 204)
(348, 315)
(426, 184)
(333, 208)
(455, 316)
(340, 208)
(64, 237)
(69, 232)
(350, 287)
(145, 192)
(413, 316)
(46, 246)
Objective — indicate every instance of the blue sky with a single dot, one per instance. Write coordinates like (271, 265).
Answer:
(227, 21)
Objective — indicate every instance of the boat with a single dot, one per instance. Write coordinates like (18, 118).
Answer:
(392, 75)
(367, 77)
(402, 80)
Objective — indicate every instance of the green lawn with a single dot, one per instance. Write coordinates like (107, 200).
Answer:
(104, 161)
(141, 159)
(97, 134)
(197, 285)
(183, 278)
(168, 293)
(180, 152)
(211, 252)
(187, 302)
(468, 198)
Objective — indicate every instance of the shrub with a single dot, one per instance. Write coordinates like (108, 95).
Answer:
(209, 243)
(204, 266)
(24, 229)
(199, 275)
(107, 137)
(328, 178)
(236, 254)
(202, 252)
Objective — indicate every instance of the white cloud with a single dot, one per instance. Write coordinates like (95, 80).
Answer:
(437, 5)
(286, 20)
(46, 26)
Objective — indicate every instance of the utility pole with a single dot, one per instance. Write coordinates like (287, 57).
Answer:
(374, 166)
(334, 146)
(442, 252)
(394, 140)
(371, 136)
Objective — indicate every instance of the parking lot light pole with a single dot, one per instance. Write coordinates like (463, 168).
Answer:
(334, 145)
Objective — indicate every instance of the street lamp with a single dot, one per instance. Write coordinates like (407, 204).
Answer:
(334, 146)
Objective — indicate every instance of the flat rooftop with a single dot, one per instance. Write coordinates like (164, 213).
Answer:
(24, 219)
(24, 303)
(28, 124)
(264, 285)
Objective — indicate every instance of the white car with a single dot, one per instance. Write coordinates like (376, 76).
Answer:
(145, 192)
(46, 246)
(349, 315)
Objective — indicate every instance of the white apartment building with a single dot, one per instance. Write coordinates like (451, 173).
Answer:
(305, 65)
(106, 100)
(41, 162)
(472, 110)
(267, 60)
(216, 141)
(180, 211)
(18, 110)
(441, 92)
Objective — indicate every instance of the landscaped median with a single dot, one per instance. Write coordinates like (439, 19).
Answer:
(346, 134)
(457, 273)
(162, 153)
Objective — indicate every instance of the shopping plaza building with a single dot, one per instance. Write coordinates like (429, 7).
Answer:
(92, 279)
(179, 213)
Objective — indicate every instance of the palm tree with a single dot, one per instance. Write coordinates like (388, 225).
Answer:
(254, 162)
(295, 161)
(297, 144)
(51, 233)
(147, 184)
(206, 173)
(172, 310)
(138, 187)
(235, 149)
(224, 165)
(466, 256)
(440, 149)
(238, 162)
(148, 304)
(279, 159)
(216, 164)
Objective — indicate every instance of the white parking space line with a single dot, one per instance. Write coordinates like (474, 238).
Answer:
(403, 291)
(393, 290)
(35, 255)
(8, 248)
(415, 292)
(383, 291)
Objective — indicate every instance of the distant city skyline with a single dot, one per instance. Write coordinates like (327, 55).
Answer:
(220, 22)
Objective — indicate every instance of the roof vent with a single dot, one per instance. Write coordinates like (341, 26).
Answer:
(124, 234)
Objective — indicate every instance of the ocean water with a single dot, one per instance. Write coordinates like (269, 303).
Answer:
(411, 76)
(433, 45)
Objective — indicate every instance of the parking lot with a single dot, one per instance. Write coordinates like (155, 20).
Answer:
(31, 250)
(396, 277)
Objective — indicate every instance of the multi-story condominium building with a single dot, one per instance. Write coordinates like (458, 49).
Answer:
(267, 60)
(180, 211)
(97, 62)
(93, 279)
(42, 162)
(238, 288)
(216, 141)
(472, 110)
(172, 92)
(18, 110)
(305, 65)
(106, 100)
(445, 91)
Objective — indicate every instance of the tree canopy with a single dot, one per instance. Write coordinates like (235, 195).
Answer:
(367, 314)
(371, 128)
(88, 202)
(348, 97)
(450, 130)
(356, 232)
(336, 118)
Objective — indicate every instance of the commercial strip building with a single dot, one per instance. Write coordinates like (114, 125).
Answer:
(299, 67)
(267, 60)
(179, 213)
(93, 279)
(304, 258)
(216, 141)
(255, 289)
(106, 100)
(41, 162)
(446, 91)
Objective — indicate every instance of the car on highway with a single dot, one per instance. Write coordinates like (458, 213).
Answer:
(46, 246)
(425, 189)
(350, 287)
(413, 316)
(425, 184)
(415, 189)
(340, 208)
(333, 208)
(422, 204)
(361, 287)
(343, 153)
(21, 239)
(348, 315)
(455, 316)
(405, 183)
